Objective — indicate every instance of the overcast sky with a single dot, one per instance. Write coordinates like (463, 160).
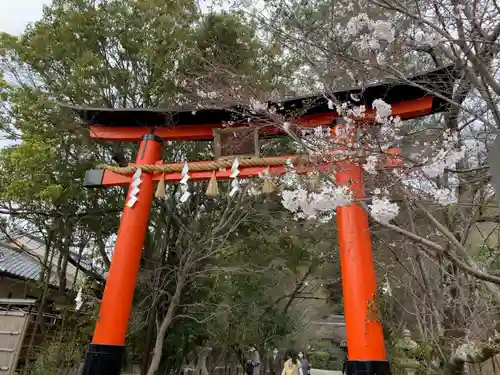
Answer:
(16, 14)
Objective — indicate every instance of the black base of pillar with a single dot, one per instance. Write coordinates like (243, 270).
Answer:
(368, 368)
(103, 360)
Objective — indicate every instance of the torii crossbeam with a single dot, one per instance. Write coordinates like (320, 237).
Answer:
(420, 96)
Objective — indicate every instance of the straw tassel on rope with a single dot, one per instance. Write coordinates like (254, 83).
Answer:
(268, 186)
(213, 187)
(160, 189)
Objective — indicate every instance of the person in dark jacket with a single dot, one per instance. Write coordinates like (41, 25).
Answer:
(249, 368)
(274, 362)
(343, 346)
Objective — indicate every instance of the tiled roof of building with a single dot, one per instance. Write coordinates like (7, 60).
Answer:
(21, 256)
(20, 264)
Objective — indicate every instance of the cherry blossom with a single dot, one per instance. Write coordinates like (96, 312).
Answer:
(383, 30)
(444, 159)
(296, 196)
(357, 24)
(257, 106)
(428, 38)
(383, 110)
(330, 104)
(371, 164)
(369, 32)
(311, 205)
(445, 196)
(382, 210)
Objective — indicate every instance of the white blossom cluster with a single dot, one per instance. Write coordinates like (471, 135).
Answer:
(257, 106)
(290, 179)
(428, 38)
(382, 210)
(305, 204)
(316, 139)
(447, 157)
(322, 202)
(370, 32)
(390, 129)
(357, 111)
(445, 196)
(382, 110)
(390, 125)
(311, 205)
(206, 95)
(253, 190)
(315, 133)
(371, 164)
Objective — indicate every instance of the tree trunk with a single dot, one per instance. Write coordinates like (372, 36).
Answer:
(160, 336)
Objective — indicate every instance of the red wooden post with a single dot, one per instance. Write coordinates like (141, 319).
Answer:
(365, 340)
(104, 355)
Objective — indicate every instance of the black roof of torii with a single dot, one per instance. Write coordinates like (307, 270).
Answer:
(434, 82)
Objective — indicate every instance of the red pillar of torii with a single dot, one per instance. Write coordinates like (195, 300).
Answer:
(365, 341)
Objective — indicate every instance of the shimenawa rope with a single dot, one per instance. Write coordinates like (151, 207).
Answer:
(254, 161)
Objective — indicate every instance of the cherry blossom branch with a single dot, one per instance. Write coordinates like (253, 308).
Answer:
(439, 249)
(428, 289)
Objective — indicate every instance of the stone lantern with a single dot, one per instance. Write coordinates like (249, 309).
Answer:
(409, 348)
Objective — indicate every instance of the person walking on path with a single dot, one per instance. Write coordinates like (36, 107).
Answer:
(274, 362)
(253, 362)
(304, 363)
(292, 366)
(343, 346)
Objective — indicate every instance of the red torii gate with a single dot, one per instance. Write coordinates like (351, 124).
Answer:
(366, 348)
